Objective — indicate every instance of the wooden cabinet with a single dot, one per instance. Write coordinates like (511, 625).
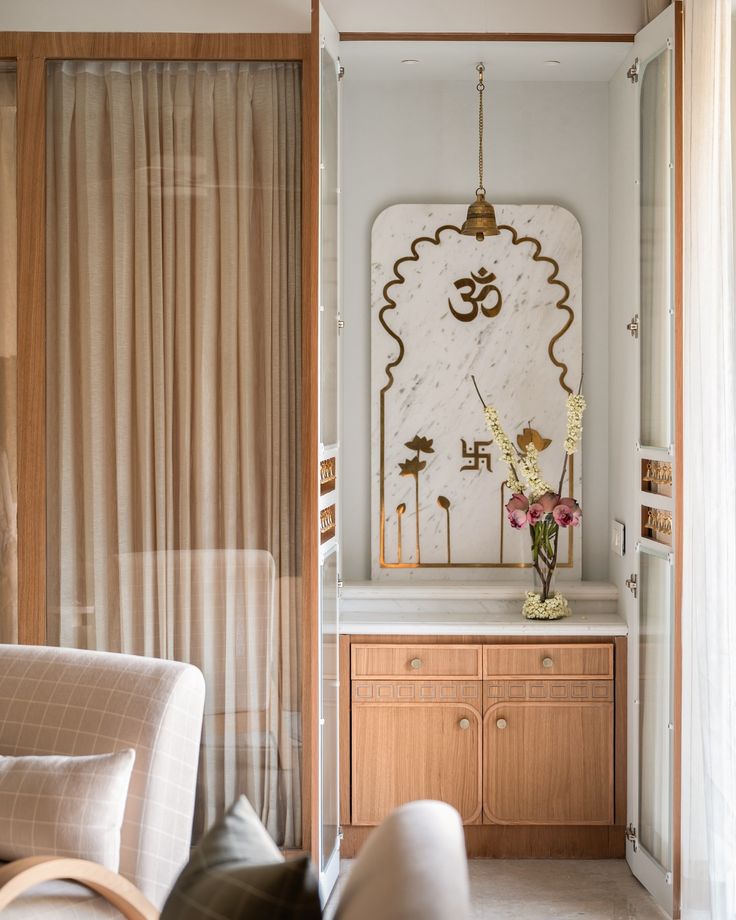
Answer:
(548, 762)
(415, 750)
(524, 739)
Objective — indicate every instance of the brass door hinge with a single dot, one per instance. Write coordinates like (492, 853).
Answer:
(633, 326)
(632, 584)
(633, 72)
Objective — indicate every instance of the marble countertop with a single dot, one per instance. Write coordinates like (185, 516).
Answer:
(372, 608)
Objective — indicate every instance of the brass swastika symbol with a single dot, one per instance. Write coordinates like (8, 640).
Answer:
(478, 454)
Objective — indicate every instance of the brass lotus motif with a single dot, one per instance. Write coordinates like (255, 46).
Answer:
(420, 444)
(412, 467)
(532, 436)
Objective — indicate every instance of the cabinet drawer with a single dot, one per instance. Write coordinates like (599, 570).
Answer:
(549, 661)
(409, 662)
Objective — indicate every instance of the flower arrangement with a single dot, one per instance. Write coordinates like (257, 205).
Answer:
(536, 504)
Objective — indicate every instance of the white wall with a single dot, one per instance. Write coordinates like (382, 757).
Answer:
(417, 142)
(155, 15)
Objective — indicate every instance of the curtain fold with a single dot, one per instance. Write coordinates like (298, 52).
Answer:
(173, 304)
(8, 364)
(709, 510)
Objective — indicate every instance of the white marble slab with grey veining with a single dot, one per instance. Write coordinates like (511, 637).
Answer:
(464, 608)
(432, 394)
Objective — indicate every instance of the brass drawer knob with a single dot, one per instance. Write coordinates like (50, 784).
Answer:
(547, 662)
(416, 663)
(464, 724)
(501, 723)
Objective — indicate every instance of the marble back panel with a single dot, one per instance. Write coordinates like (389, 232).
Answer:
(446, 307)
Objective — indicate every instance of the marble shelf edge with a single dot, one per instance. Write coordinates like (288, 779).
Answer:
(367, 608)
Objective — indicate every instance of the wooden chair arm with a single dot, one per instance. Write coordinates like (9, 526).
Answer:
(18, 876)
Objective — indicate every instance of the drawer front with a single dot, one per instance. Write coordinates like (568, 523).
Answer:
(412, 662)
(568, 662)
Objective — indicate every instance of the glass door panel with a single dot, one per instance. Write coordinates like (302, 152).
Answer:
(328, 251)
(173, 396)
(8, 360)
(329, 778)
(329, 457)
(656, 252)
(655, 707)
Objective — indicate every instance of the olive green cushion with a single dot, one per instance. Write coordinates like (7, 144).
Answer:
(237, 873)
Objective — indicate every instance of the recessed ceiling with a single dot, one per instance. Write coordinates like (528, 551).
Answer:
(505, 61)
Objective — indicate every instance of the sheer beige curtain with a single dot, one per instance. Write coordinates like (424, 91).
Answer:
(8, 366)
(173, 300)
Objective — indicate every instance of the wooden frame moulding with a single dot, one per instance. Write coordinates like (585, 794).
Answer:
(487, 37)
(31, 51)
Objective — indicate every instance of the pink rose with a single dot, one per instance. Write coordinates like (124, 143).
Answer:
(562, 515)
(535, 513)
(548, 501)
(517, 502)
(517, 519)
(567, 513)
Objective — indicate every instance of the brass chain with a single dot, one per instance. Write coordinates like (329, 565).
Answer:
(481, 87)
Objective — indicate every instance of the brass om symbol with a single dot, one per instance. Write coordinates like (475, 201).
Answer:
(474, 291)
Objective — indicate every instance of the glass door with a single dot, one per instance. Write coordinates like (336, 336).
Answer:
(649, 832)
(330, 472)
(173, 311)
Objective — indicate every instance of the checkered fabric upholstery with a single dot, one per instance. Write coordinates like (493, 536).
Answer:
(68, 701)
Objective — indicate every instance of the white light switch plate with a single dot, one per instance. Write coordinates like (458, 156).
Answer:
(618, 538)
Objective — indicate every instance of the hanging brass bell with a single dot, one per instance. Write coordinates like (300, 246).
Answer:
(481, 219)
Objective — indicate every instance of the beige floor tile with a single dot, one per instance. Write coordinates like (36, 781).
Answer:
(549, 889)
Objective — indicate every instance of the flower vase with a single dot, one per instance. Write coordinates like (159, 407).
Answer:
(555, 607)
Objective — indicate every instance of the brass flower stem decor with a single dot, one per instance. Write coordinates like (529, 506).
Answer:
(535, 504)
(413, 467)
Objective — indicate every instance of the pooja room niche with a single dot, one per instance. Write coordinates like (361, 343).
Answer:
(427, 308)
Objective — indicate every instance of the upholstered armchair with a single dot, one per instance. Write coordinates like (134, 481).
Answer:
(69, 702)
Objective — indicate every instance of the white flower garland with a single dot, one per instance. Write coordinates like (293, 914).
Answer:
(575, 408)
(554, 608)
(504, 445)
(529, 466)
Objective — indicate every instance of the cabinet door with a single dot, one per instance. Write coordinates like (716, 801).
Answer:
(411, 751)
(548, 763)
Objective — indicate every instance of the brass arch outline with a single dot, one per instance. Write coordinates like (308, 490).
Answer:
(390, 304)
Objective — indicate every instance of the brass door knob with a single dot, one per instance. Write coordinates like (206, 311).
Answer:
(501, 723)
(464, 724)
(416, 663)
(547, 662)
